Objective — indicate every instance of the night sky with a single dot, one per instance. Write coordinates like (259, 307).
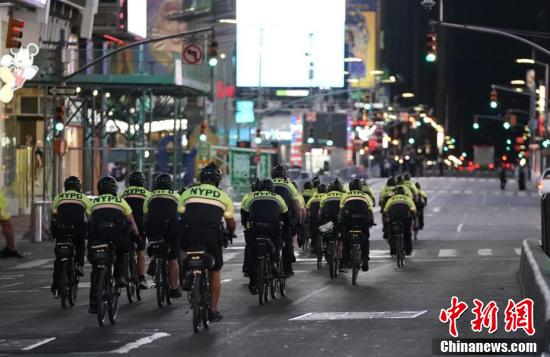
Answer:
(474, 60)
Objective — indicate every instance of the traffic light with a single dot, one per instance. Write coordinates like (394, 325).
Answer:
(506, 125)
(59, 120)
(541, 100)
(431, 47)
(494, 99)
(476, 125)
(14, 33)
(258, 139)
(202, 136)
(310, 139)
(330, 142)
(213, 53)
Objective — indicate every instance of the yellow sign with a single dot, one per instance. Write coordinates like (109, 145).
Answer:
(361, 40)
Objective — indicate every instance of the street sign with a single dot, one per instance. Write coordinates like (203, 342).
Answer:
(192, 54)
(204, 153)
(62, 91)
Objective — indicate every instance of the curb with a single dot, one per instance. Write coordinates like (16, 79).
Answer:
(534, 278)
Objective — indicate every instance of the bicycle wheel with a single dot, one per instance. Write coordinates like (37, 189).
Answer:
(356, 262)
(101, 297)
(267, 278)
(132, 285)
(282, 278)
(331, 255)
(159, 282)
(63, 284)
(260, 278)
(205, 301)
(196, 303)
(319, 251)
(114, 294)
(400, 250)
(73, 285)
(166, 284)
(274, 281)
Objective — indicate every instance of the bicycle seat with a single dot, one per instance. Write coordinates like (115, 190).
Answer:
(264, 245)
(158, 247)
(199, 260)
(64, 249)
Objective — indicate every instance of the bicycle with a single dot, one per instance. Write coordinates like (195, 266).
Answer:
(397, 235)
(199, 262)
(67, 278)
(319, 249)
(132, 288)
(158, 250)
(102, 257)
(264, 249)
(356, 236)
(306, 238)
(328, 235)
(416, 228)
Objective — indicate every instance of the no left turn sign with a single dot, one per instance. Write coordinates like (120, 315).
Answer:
(192, 54)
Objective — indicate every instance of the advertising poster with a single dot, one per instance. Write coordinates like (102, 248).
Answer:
(361, 41)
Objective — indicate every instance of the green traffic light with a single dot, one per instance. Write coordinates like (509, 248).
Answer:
(494, 104)
(476, 126)
(59, 126)
(431, 57)
(506, 125)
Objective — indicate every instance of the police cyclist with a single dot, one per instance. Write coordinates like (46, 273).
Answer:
(161, 223)
(70, 210)
(330, 211)
(356, 213)
(365, 187)
(421, 204)
(111, 222)
(313, 206)
(401, 208)
(285, 189)
(136, 194)
(203, 208)
(244, 217)
(385, 194)
(265, 210)
(308, 191)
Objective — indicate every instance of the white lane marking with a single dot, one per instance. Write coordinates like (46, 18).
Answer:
(33, 263)
(522, 193)
(436, 209)
(456, 192)
(323, 316)
(226, 281)
(37, 344)
(140, 342)
(229, 256)
(11, 277)
(306, 259)
(485, 252)
(461, 224)
(84, 284)
(8, 285)
(308, 296)
(378, 253)
(468, 192)
(443, 253)
(484, 200)
(518, 251)
(235, 248)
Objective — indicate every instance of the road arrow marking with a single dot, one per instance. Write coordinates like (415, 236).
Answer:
(138, 343)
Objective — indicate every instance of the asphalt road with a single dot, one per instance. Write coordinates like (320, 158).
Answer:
(469, 248)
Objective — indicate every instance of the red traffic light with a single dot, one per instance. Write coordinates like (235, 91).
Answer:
(14, 33)
(213, 49)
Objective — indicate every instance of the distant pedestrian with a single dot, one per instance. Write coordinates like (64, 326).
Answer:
(502, 176)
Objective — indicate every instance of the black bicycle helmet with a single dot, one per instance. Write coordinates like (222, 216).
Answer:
(107, 186)
(279, 171)
(399, 190)
(316, 181)
(164, 182)
(308, 185)
(399, 180)
(406, 176)
(391, 181)
(322, 188)
(337, 185)
(355, 184)
(255, 185)
(211, 174)
(417, 184)
(266, 185)
(72, 183)
(136, 178)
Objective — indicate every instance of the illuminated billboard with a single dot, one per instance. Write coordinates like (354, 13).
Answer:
(361, 40)
(137, 17)
(290, 43)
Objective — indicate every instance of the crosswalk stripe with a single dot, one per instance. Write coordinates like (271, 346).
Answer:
(485, 252)
(444, 253)
(518, 251)
(33, 263)
(331, 316)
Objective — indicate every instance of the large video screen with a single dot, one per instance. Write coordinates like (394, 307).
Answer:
(290, 43)
(137, 17)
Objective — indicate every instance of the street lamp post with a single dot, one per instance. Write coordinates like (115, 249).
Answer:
(546, 78)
